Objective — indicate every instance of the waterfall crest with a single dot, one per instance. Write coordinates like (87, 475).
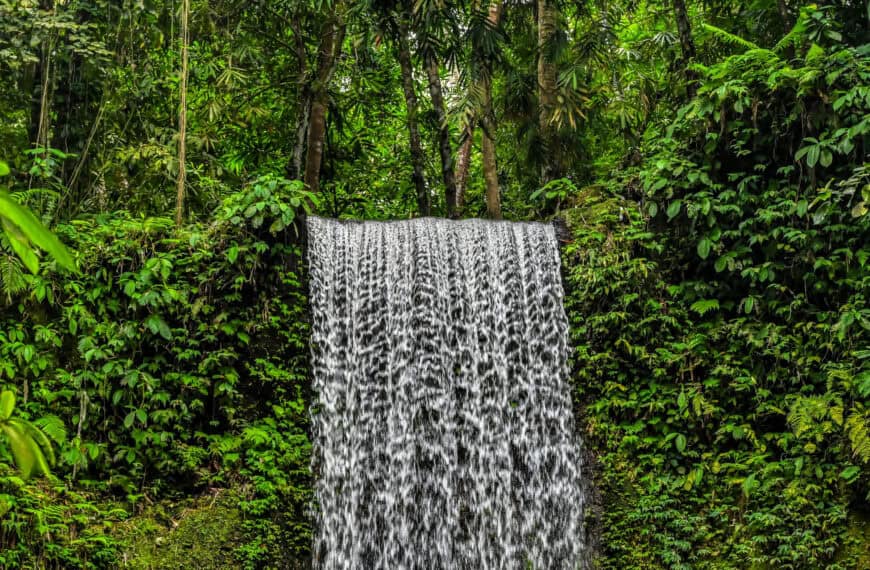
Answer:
(443, 427)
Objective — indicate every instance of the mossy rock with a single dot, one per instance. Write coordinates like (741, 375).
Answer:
(855, 552)
(202, 533)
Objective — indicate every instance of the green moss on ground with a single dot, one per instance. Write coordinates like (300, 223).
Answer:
(203, 533)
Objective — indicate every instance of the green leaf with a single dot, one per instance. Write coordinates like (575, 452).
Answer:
(5, 505)
(21, 246)
(164, 330)
(7, 404)
(34, 230)
(749, 485)
(674, 209)
(4, 169)
(22, 452)
(813, 155)
(26, 452)
(705, 305)
(157, 325)
(862, 383)
(680, 443)
(851, 473)
(704, 248)
(826, 158)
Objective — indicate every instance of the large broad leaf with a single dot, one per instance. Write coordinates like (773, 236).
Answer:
(33, 230)
(7, 404)
(21, 246)
(23, 450)
(35, 441)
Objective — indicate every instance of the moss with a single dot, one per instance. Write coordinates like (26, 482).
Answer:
(202, 533)
(856, 548)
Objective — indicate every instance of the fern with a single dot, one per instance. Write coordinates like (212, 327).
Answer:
(728, 37)
(815, 415)
(12, 277)
(705, 305)
(794, 36)
(858, 432)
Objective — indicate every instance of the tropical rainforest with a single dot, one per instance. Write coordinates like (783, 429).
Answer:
(158, 159)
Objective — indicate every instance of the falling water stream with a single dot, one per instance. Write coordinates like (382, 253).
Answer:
(443, 425)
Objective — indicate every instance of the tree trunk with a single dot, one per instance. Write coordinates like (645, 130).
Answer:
(431, 64)
(294, 168)
(490, 176)
(303, 114)
(787, 19)
(182, 114)
(424, 206)
(547, 21)
(687, 45)
(490, 170)
(463, 163)
(332, 36)
(39, 84)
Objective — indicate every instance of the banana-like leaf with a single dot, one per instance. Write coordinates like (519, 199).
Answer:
(21, 246)
(22, 449)
(53, 427)
(7, 404)
(33, 230)
(26, 443)
(38, 437)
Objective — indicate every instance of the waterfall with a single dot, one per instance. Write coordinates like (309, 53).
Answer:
(443, 427)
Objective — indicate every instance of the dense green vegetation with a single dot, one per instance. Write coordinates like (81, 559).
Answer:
(710, 158)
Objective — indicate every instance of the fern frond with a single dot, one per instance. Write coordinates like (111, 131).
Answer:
(858, 432)
(12, 278)
(793, 37)
(729, 38)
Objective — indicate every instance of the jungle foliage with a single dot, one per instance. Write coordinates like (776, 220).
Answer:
(710, 158)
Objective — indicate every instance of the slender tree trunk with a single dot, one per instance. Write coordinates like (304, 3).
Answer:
(687, 45)
(424, 206)
(182, 114)
(332, 36)
(303, 113)
(431, 64)
(463, 163)
(788, 23)
(547, 22)
(490, 170)
(787, 19)
(39, 85)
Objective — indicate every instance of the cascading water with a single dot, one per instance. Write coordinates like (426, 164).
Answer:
(443, 426)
